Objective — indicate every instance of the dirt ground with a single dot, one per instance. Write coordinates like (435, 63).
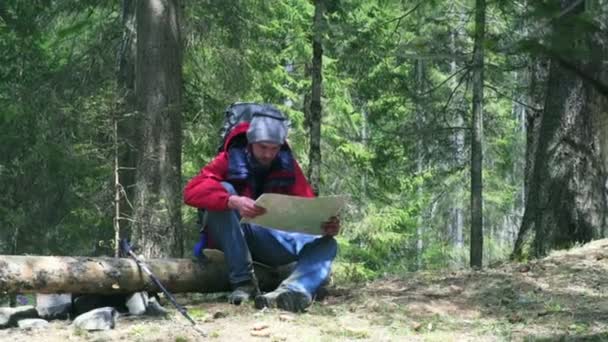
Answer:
(562, 297)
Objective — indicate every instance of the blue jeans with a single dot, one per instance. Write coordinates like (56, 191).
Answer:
(242, 243)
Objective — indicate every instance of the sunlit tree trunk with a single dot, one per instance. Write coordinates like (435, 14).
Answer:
(477, 138)
(157, 202)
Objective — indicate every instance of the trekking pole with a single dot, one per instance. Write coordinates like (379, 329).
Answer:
(126, 249)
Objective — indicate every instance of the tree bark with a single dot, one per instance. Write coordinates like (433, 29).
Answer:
(477, 138)
(456, 210)
(127, 121)
(538, 77)
(420, 118)
(567, 192)
(314, 156)
(46, 274)
(157, 216)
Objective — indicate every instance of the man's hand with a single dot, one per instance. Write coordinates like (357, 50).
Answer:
(245, 206)
(331, 227)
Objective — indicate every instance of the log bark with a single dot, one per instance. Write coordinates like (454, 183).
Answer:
(56, 274)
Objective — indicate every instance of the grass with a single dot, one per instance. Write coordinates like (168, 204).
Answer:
(351, 333)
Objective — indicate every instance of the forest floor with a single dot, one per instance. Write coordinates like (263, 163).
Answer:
(561, 297)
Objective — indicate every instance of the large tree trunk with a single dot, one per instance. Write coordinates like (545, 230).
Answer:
(127, 121)
(314, 121)
(477, 138)
(157, 226)
(536, 77)
(567, 193)
(538, 74)
(45, 274)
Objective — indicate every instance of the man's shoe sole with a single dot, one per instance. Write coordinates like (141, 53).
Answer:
(288, 300)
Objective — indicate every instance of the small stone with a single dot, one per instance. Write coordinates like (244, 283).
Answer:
(137, 303)
(155, 309)
(32, 323)
(10, 316)
(514, 318)
(220, 314)
(261, 333)
(54, 306)
(260, 326)
(286, 318)
(98, 319)
(416, 326)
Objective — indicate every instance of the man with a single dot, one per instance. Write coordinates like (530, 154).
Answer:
(255, 159)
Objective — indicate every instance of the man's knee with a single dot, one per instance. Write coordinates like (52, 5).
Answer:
(329, 245)
(229, 187)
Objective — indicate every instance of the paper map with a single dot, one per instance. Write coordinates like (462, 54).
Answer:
(296, 214)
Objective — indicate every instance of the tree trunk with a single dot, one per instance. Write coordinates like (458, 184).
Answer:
(456, 212)
(127, 121)
(538, 77)
(420, 118)
(314, 156)
(45, 274)
(477, 138)
(567, 193)
(157, 226)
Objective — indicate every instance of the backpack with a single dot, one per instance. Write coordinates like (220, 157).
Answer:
(240, 112)
(234, 114)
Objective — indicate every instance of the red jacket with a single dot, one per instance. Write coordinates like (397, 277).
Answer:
(205, 191)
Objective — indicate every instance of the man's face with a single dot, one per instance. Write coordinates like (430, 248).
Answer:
(265, 153)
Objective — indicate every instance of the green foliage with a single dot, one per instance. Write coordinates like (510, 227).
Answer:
(395, 135)
(54, 162)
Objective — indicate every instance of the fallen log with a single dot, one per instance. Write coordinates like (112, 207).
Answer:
(55, 274)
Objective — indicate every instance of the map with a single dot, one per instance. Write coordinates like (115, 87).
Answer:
(296, 214)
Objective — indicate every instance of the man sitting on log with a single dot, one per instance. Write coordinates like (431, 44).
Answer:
(256, 159)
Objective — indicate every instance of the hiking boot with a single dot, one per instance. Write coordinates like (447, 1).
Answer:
(244, 291)
(285, 299)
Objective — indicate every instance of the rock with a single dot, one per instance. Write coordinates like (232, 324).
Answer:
(32, 323)
(286, 318)
(155, 309)
(220, 314)
(10, 316)
(137, 303)
(98, 319)
(260, 326)
(261, 333)
(54, 306)
(524, 268)
(416, 326)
